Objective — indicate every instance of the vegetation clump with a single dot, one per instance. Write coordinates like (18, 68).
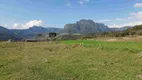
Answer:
(136, 30)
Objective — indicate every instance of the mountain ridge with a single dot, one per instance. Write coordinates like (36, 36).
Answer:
(17, 34)
(82, 26)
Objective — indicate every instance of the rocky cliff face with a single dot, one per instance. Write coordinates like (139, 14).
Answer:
(85, 27)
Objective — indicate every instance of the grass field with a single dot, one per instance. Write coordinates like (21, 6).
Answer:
(71, 60)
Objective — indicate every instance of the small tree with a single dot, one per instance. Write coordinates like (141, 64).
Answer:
(52, 35)
(38, 36)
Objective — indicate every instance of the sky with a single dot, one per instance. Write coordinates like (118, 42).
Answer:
(22, 14)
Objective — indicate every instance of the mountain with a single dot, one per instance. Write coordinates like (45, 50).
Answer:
(120, 29)
(85, 27)
(17, 34)
(33, 31)
(3, 30)
(39, 29)
(6, 34)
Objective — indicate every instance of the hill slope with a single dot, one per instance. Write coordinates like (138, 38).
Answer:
(136, 30)
(5, 34)
(33, 31)
(16, 34)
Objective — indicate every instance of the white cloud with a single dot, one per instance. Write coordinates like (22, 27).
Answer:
(28, 24)
(136, 15)
(108, 20)
(138, 5)
(80, 2)
(68, 4)
(5, 25)
(104, 20)
(133, 16)
(125, 24)
(86, 0)
(16, 26)
(34, 23)
(114, 26)
(83, 1)
(120, 19)
(132, 20)
(129, 18)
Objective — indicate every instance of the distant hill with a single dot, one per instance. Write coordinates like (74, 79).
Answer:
(33, 31)
(5, 34)
(120, 29)
(3, 30)
(85, 27)
(17, 34)
(136, 30)
(80, 28)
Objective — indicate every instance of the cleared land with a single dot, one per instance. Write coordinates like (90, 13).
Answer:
(71, 60)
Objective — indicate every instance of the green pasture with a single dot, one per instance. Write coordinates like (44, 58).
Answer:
(71, 60)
